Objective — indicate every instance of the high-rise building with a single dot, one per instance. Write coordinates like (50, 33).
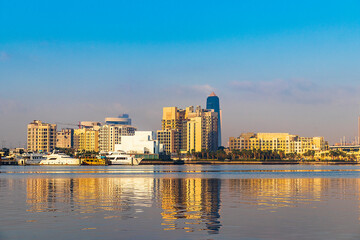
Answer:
(65, 138)
(212, 102)
(41, 137)
(173, 119)
(86, 139)
(110, 134)
(188, 130)
(202, 132)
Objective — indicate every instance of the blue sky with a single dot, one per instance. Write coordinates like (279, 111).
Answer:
(277, 66)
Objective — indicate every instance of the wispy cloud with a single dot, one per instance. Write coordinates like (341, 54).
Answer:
(297, 91)
(4, 56)
(206, 88)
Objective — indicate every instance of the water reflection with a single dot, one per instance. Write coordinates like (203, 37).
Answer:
(195, 200)
(185, 204)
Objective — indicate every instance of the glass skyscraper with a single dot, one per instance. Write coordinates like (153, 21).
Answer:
(212, 102)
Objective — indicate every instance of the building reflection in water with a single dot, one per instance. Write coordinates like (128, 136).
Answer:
(196, 201)
(88, 195)
(190, 204)
(287, 192)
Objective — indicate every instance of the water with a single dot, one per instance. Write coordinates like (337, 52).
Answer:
(180, 202)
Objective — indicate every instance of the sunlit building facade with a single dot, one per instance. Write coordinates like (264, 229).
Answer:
(188, 130)
(202, 130)
(277, 142)
(86, 139)
(173, 129)
(41, 137)
(110, 134)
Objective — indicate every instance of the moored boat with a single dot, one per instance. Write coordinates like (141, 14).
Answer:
(59, 159)
(93, 161)
(122, 158)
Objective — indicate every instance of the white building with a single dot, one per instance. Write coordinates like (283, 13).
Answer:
(110, 135)
(143, 142)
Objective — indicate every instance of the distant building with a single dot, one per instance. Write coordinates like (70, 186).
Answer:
(143, 142)
(277, 141)
(90, 124)
(41, 137)
(188, 130)
(109, 135)
(120, 120)
(212, 102)
(65, 138)
(173, 119)
(86, 139)
(202, 132)
(169, 138)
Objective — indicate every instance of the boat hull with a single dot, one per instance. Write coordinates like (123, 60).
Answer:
(133, 161)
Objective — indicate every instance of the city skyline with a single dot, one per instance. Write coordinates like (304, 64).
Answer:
(277, 67)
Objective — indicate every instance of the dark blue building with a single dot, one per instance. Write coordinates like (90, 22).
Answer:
(212, 102)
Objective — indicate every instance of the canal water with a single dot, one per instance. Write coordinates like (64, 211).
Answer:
(180, 202)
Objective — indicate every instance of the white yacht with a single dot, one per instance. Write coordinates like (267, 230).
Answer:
(60, 159)
(122, 158)
(31, 158)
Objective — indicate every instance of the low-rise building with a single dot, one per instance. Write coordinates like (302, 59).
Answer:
(65, 138)
(277, 142)
(143, 142)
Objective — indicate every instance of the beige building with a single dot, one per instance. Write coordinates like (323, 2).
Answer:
(188, 130)
(109, 135)
(86, 139)
(168, 138)
(173, 119)
(202, 130)
(277, 141)
(41, 137)
(65, 138)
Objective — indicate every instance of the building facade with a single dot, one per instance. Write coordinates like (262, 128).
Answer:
(277, 142)
(86, 139)
(168, 137)
(202, 130)
(173, 133)
(188, 130)
(65, 138)
(41, 137)
(143, 142)
(213, 102)
(110, 135)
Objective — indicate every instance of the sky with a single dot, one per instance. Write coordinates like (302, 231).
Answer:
(277, 66)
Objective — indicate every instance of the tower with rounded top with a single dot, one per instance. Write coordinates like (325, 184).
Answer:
(212, 102)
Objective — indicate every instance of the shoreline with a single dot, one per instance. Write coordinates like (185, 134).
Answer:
(282, 162)
(219, 162)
